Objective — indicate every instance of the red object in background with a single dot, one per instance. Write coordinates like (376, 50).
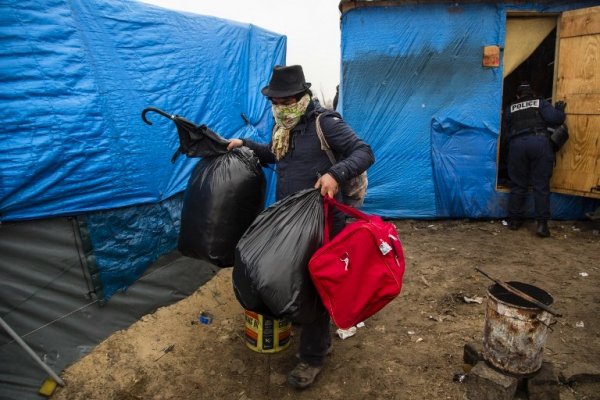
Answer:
(360, 271)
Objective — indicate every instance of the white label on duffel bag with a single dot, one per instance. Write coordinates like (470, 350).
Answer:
(384, 247)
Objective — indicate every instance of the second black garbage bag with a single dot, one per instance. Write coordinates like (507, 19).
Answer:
(225, 192)
(270, 274)
(223, 196)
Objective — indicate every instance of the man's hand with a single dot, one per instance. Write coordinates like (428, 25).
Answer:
(560, 105)
(328, 185)
(233, 143)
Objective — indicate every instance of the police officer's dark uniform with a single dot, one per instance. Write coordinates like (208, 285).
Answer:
(530, 155)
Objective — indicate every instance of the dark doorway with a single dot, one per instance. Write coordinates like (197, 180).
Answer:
(538, 70)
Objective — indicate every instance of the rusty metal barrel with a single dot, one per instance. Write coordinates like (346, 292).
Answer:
(515, 330)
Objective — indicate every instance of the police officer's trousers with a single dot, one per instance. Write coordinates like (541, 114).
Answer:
(530, 160)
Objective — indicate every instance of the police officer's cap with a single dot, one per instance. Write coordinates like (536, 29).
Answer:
(524, 88)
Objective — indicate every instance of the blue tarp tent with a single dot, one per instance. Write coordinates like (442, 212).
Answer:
(414, 87)
(89, 197)
(76, 76)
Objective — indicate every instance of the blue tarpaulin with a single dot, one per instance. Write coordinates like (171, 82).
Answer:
(76, 76)
(413, 87)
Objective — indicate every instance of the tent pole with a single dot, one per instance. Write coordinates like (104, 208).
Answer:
(24, 345)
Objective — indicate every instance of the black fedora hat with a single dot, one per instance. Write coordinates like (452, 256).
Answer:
(286, 82)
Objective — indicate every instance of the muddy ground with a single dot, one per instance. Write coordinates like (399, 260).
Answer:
(409, 350)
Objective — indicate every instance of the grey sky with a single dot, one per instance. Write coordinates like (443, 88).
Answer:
(312, 28)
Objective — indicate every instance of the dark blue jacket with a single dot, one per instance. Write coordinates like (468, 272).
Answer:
(550, 116)
(305, 162)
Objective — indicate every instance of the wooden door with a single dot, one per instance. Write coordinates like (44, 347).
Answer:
(577, 170)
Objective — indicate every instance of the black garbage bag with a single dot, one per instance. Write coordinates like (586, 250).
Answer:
(225, 192)
(223, 196)
(270, 274)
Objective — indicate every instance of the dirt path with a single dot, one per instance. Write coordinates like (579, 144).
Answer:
(410, 350)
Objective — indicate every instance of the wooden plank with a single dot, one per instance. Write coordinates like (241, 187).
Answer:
(579, 71)
(585, 21)
(582, 104)
(577, 167)
(591, 195)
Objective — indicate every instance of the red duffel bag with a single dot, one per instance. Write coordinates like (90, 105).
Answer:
(360, 270)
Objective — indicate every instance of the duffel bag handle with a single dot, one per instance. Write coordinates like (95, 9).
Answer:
(328, 203)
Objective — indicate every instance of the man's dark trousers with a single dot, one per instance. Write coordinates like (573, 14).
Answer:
(530, 159)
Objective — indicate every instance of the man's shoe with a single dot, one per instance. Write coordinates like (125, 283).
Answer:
(542, 229)
(515, 224)
(303, 375)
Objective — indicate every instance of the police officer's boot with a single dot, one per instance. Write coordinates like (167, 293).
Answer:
(514, 224)
(542, 229)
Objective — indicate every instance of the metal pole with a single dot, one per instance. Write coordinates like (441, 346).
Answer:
(24, 345)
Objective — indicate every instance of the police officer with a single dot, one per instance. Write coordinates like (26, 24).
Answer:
(530, 155)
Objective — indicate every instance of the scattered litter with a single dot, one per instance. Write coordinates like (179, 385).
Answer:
(48, 387)
(346, 333)
(580, 324)
(205, 318)
(380, 328)
(475, 299)
(425, 281)
(584, 274)
(431, 226)
(166, 350)
(459, 378)
(410, 333)
(360, 325)
(419, 340)
(504, 223)
(575, 229)
(436, 318)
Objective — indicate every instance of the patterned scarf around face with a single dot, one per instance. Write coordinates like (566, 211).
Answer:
(286, 118)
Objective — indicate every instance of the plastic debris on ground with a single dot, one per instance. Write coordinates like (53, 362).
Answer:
(459, 378)
(205, 318)
(48, 387)
(437, 318)
(346, 333)
(475, 299)
(580, 324)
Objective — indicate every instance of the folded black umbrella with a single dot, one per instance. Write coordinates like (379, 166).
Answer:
(194, 140)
